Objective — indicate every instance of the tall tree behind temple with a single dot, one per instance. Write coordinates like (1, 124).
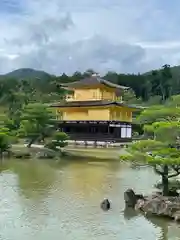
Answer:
(76, 76)
(167, 76)
(136, 82)
(161, 82)
(88, 72)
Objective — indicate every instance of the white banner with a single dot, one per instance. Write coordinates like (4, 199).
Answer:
(129, 132)
(123, 132)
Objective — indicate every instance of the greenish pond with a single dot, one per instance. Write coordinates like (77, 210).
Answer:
(43, 200)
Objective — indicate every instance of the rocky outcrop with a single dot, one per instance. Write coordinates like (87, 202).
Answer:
(156, 204)
(131, 198)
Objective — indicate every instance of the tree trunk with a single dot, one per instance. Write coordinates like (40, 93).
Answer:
(31, 142)
(9, 153)
(165, 181)
(1, 155)
(162, 92)
(33, 139)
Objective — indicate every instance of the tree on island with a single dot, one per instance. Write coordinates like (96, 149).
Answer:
(161, 82)
(35, 122)
(161, 151)
(58, 141)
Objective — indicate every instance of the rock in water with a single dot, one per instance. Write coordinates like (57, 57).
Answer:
(105, 205)
(130, 198)
(157, 204)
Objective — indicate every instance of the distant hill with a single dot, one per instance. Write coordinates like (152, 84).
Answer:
(27, 73)
(144, 88)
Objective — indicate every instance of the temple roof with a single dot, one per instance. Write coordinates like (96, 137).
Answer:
(65, 104)
(93, 80)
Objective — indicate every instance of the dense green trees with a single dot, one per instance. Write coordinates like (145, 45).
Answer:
(35, 122)
(156, 83)
(46, 88)
(161, 146)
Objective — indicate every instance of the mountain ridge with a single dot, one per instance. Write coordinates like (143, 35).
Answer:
(27, 73)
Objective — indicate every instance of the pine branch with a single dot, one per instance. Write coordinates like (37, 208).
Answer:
(176, 168)
(158, 171)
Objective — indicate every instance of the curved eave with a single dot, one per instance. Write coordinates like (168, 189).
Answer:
(136, 107)
(78, 86)
(113, 85)
(93, 104)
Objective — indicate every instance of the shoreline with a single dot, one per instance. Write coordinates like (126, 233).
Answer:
(81, 152)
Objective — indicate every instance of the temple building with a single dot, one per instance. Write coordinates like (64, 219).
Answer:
(95, 111)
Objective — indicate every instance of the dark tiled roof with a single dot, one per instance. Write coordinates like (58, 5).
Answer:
(93, 81)
(91, 104)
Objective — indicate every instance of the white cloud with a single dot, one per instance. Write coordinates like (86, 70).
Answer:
(64, 36)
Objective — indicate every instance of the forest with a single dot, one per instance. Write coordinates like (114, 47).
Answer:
(148, 89)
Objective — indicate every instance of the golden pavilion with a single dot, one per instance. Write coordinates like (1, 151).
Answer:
(95, 111)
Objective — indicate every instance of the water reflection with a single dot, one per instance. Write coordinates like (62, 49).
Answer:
(92, 181)
(162, 224)
(129, 213)
(35, 178)
(43, 200)
(3, 167)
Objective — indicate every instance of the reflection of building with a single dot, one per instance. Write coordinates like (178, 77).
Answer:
(95, 182)
(95, 111)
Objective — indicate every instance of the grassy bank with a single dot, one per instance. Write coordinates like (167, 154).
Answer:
(81, 152)
(99, 153)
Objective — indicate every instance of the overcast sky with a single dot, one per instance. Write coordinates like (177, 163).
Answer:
(74, 35)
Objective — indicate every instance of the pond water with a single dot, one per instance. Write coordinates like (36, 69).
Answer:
(48, 200)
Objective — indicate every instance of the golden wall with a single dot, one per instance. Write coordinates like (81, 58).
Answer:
(121, 114)
(107, 93)
(95, 93)
(95, 114)
(85, 95)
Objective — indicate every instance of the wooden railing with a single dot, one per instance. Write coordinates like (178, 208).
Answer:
(96, 137)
